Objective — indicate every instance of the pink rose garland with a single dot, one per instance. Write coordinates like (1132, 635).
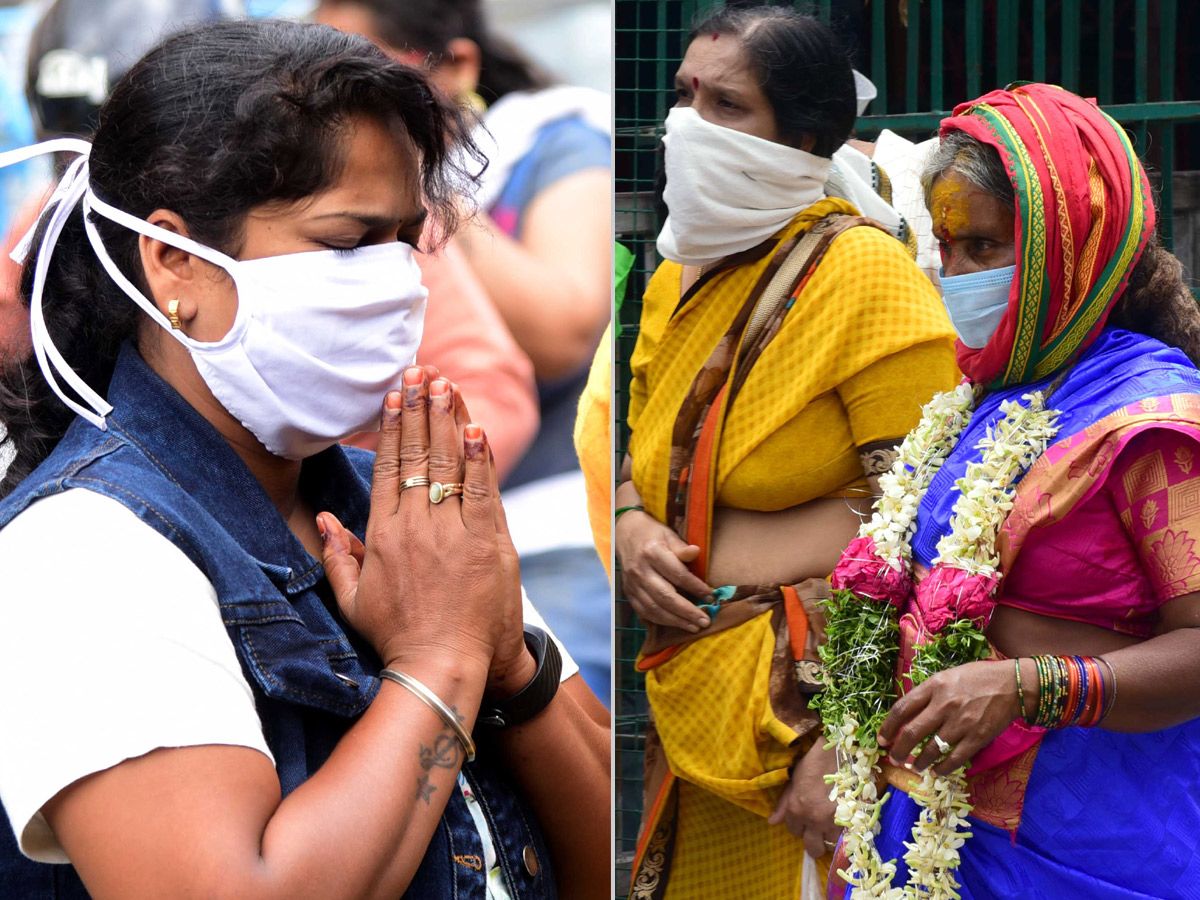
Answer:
(862, 570)
(947, 594)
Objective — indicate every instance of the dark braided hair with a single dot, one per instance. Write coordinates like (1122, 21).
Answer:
(213, 122)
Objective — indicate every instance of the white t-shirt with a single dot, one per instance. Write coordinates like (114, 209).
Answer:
(96, 668)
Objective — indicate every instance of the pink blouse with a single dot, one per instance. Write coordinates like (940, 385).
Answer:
(1125, 551)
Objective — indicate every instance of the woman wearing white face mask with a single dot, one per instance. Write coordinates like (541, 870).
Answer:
(773, 376)
(266, 663)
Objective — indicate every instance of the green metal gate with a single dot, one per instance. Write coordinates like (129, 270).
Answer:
(924, 57)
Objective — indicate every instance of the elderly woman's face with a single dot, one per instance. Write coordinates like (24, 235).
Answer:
(715, 80)
(975, 230)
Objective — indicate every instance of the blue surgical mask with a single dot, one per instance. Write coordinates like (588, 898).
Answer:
(976, 303)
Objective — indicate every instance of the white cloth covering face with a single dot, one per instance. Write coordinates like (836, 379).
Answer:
(150, 662)
(728, 191)
(317, 340)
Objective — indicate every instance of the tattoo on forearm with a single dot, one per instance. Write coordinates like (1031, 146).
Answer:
(425, 789)
(446, 753)
(877, 458)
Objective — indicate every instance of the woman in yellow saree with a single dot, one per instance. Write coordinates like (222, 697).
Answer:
(786, 345)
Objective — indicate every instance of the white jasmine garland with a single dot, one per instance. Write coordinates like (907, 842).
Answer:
(858, 808)
(932, 854)
(986, 497)
(894, 517)
(986, 488)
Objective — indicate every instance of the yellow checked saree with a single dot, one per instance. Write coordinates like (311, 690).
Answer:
(841, 370)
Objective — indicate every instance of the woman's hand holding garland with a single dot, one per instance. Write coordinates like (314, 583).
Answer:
(873, 580)
(967, 706)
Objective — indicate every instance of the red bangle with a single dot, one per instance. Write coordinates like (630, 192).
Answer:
(1074, 686)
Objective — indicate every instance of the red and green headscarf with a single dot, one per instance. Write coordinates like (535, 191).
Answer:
(1084, 215)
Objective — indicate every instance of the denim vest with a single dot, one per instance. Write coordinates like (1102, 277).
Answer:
(311, 678)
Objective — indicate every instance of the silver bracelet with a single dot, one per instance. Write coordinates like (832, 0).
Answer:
(1112, 697)
(434, 702)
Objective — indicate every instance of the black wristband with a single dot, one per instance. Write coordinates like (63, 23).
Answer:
(535, 696)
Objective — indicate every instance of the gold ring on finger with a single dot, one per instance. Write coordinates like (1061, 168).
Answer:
(439, 492)
(415, 481)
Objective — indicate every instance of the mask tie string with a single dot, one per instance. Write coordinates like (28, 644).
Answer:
(93, 204)
(62, 202)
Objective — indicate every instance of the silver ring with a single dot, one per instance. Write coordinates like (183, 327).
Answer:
(942, 746)
(439, 492)
(415, 481)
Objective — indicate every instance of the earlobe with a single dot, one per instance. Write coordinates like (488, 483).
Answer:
(167, 270)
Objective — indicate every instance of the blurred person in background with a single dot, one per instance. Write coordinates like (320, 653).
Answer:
(542, 247)
(275, 648)
(76, 51)
(762, 411)
(18, 184)
(80, 48)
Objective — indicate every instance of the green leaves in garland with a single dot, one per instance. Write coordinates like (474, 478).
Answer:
(959, 643)
(862, 642)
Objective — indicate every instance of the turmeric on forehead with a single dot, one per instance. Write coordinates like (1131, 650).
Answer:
(949, 205)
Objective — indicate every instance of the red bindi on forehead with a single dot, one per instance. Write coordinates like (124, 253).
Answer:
(695, 84)
(715, 36)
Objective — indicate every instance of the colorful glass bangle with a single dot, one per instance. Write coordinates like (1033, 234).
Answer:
(1020, 691)
(1072, 691)
(624, 509)
(1079, 672)
(1076, 690)
(1101, 692)
(1044, 689)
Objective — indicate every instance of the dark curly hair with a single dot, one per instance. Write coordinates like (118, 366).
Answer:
(212, 123)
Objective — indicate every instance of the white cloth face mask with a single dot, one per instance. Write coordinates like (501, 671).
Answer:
(318, 338)
(976, 303)
(728, 191)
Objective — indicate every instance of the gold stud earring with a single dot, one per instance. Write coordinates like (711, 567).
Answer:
(173, 314)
